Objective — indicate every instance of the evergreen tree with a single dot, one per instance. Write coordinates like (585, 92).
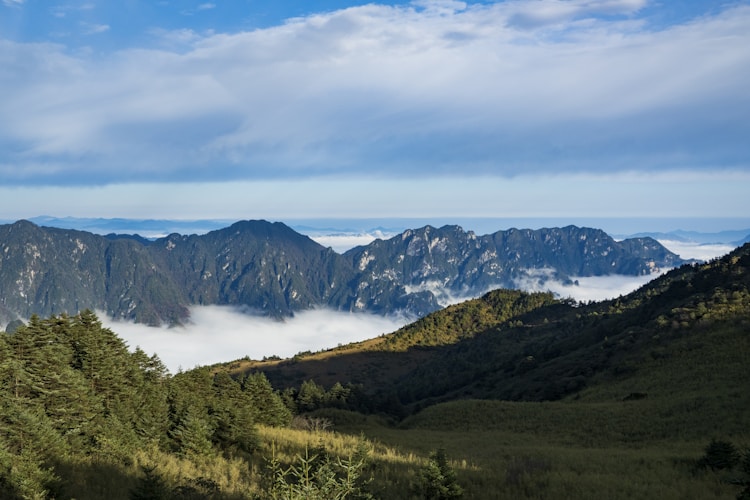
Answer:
(438, 479)
(232, 415)
(150, 486)
(151, 419)
(104, 360)
(267, 404)
(310, 396)
(192, 435)
(41, 374)
(337, 396)
(28, 445)
(317, 476)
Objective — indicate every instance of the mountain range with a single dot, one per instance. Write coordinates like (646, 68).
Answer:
(272, 269)
(674, 338)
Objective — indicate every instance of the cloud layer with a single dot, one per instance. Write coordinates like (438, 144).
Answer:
(221, 334)
(419, 89)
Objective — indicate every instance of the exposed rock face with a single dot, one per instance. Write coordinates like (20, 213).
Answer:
(270, 268)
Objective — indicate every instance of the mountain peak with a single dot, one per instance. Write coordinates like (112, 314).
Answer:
(268, 266)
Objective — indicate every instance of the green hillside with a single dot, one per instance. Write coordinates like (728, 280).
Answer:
(528, 347)
(509, 396)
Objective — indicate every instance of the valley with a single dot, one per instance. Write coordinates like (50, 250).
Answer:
(524, 394)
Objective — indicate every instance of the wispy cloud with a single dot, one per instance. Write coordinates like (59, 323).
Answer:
(94, 29)
(528, 15)
(423, 89)
(199, 8)
(584, 289)
(697, 251)
(13, 3)
(63, 10)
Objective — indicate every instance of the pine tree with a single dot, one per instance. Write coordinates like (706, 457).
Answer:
(438, 479)
(232, 415)
(310, 396)
(150, 486)
(28, 444)
(103, 359)
(42, 376)
(267, 404)
(149, 401)
(192, 435)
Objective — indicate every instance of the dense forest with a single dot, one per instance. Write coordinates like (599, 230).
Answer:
(74, 398)
(512, 395)
(83, 417)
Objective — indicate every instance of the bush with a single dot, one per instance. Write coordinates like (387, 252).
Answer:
(317, 477)
(720, 455)
(150, 486)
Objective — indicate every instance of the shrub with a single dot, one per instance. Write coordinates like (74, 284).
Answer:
(317, 477)
(720, 455)
(150, 486)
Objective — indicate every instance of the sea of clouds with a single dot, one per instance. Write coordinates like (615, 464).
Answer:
(219, 334)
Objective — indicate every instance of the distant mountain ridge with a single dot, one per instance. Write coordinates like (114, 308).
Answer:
(455, 260)
(270, 268)
(736, 237)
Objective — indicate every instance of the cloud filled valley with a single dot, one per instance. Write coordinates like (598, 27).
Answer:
(220, 334)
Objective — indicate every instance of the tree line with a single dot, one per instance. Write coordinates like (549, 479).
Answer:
(71, 388)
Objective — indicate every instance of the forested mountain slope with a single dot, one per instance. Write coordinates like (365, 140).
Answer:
(269, 268)
(642, 382)
(543, 350)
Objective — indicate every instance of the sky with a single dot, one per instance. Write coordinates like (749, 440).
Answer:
(425, 109)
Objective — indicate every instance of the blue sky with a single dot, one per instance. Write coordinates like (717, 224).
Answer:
(432, 108)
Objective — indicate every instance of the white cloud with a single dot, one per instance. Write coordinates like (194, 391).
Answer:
(386, 90)
(697, 251)
(546, 12)
(588, 288)
(13, 3)
(221, 334)
(341, 242)
(94, 29)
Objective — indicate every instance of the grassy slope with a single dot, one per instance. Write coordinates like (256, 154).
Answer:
(682, 341)
(384, 360)
(594, 445)
(523, 347)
